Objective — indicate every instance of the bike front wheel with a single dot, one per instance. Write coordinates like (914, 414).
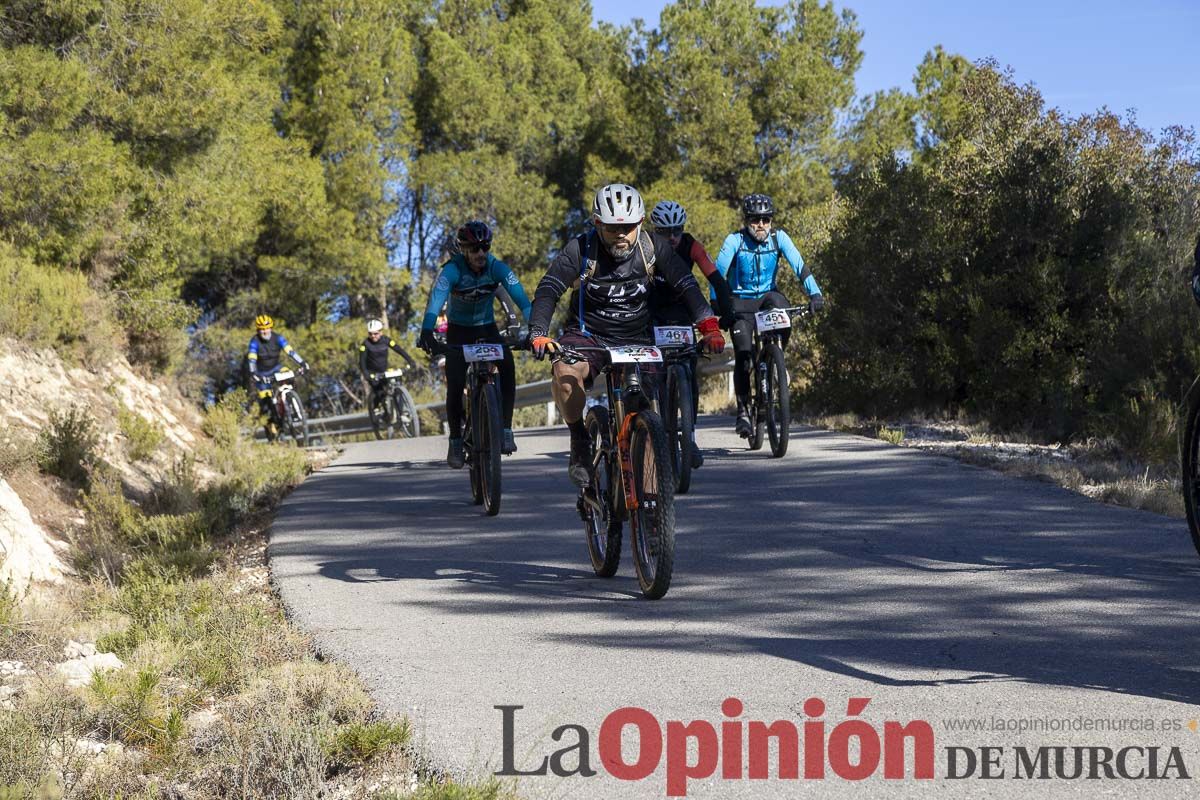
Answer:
(778, 401)
(678, 422)
(487, 446)
(652, 506)
(758, 404)
(408, 423)
(1190, 466)
(297, 420)
(597, 501)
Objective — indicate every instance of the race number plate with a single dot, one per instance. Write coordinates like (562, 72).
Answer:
(394, 373)
(483, 352)
(284, 375)
(674, 336)
(772, 319)
(635, 354)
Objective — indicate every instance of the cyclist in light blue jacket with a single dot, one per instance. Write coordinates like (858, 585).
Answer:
(749, 260)
(470, 281)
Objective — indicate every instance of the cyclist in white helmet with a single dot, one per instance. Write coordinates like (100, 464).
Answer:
(611, 268)
(373, 358)
(669, 219)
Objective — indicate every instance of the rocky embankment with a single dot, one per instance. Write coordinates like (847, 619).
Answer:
(36, 515)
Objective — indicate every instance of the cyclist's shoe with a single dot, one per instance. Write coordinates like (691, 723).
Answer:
(509, 446)
(697, 457)
(743, 426)
(454, 456)
(579, 468)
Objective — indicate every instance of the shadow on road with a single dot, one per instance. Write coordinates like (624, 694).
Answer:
(878, 563)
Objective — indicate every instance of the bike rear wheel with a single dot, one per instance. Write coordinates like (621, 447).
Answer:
(758, 404)
(408, 423)
(471, 435)
(597, 501)
(652, 507)
(487, 446)
(377, 410)
(778, 401)
(297, 420)
(1190, 468)
(678, 422)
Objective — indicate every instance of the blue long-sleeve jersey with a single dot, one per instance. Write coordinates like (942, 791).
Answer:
(752, 268)
(471, 294)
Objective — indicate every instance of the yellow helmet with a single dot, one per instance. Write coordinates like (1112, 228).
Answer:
(263, 322)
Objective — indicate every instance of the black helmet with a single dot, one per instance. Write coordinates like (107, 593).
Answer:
(475, 232)
(757, 205)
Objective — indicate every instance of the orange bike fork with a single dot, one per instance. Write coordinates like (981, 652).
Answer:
(623, 449)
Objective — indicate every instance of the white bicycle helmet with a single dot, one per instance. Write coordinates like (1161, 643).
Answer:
(374, 326)
(618, 204)
(668, 214)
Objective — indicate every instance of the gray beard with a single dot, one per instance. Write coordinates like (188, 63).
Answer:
(620, 253)
(759, 237)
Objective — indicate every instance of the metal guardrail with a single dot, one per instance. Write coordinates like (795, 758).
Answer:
(528, 394)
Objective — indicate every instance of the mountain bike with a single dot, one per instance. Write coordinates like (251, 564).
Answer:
(482, 424)
(770, 402)
(287, 412)
(1189, 459)
(676, 398)
(631, 473)
(392, 409)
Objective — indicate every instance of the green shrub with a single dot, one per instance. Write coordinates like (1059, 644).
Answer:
(225, 420)
(142, 437)
(132, 707)
(489, 790)
(180, 491)
(67, 446)
(358, 742)
(17, 450)
(50, 307)
(890, 435)
(117, 533)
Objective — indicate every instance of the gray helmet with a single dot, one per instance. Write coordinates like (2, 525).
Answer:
(668, 214)
(618, 204)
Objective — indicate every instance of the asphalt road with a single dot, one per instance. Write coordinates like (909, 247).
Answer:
(943, 592)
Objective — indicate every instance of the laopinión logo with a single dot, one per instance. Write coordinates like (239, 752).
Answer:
(853, 749)
(739, 748)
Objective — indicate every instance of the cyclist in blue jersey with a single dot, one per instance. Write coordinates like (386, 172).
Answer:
(749, 260)
(470, 281)
(264, 354)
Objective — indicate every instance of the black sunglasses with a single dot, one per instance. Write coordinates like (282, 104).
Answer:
(758, 218)
(674, 231)
(478, 246)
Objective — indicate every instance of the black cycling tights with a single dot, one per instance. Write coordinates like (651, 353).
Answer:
(743, 337)
(456, 373)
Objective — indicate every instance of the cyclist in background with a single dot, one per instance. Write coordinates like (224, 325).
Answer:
(264, 354)
(470, 280)
(373, 358)
(611, 268)
(669, 219)
(749, 260)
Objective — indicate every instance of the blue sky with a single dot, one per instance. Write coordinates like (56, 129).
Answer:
(1080, 55)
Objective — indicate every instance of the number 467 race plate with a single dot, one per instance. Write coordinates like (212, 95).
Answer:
(673, 335)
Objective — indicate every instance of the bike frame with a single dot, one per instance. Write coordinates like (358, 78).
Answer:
(777, 336)
(618, 379)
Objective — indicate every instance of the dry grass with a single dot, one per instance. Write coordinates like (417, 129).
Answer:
(1096, 468)
(219, 696)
